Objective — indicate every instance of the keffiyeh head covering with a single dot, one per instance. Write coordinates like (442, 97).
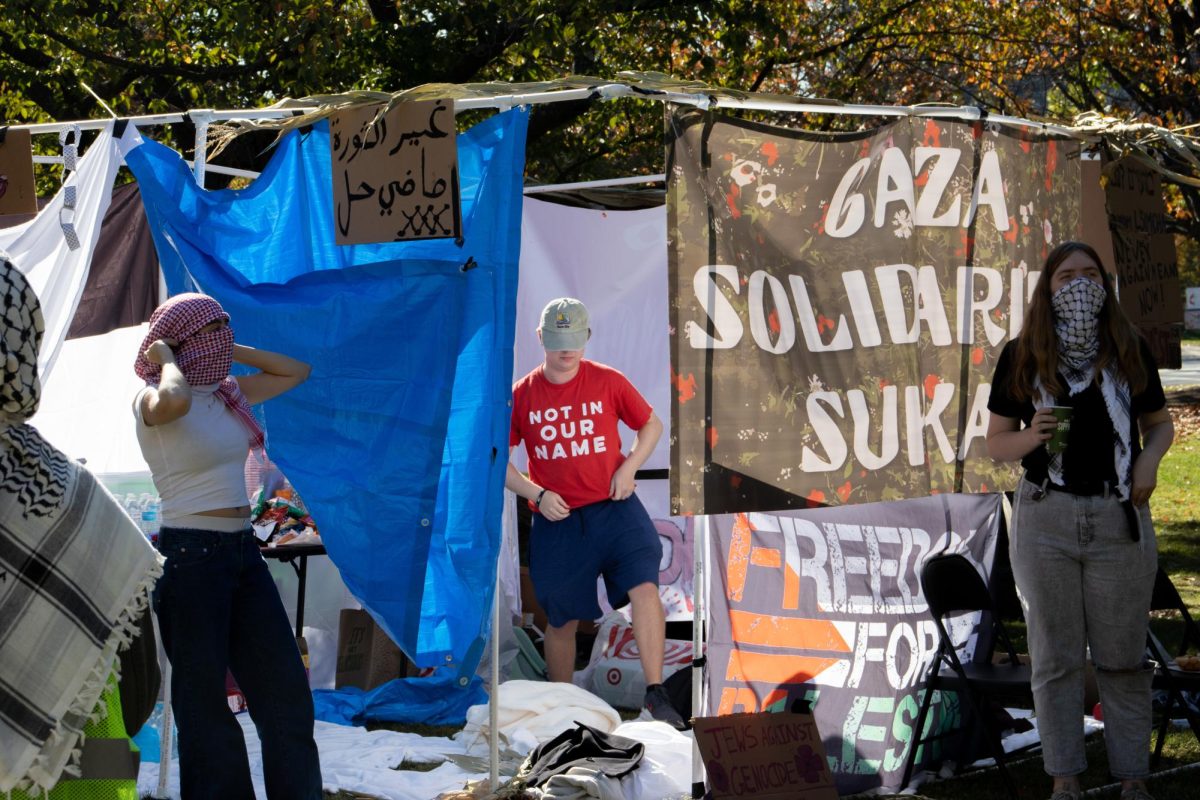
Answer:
(29, 467)
(1077, 305)
(77, 570)
(203, 358)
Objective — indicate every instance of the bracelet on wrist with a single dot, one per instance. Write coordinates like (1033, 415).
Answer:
(538, 501)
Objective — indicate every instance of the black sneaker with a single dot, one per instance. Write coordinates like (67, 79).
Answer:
(658, 703)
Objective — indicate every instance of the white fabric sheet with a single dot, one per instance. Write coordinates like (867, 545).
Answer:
(358, 760)
(531, 712)
(616, 263)
(39, 247)
(87, 406)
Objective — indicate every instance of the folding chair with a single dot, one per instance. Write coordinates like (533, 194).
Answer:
(952, 585)
(1168, 676)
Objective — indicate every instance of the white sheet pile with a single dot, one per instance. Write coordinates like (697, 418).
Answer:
(530, 712)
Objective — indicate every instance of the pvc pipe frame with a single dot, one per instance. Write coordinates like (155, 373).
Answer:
(203, 117)
(608, 91)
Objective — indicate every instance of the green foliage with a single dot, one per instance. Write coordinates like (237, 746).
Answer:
(145, 56)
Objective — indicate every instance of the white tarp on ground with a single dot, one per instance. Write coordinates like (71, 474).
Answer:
(364, 761)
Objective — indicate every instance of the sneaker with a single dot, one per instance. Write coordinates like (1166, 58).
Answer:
(1135, 793)
(658, 703)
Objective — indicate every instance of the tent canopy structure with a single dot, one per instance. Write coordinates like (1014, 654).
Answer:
(413, 352)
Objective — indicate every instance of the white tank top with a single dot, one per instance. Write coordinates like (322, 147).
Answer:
(197, 461)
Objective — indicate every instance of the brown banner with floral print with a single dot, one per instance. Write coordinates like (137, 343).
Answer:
(838, 302)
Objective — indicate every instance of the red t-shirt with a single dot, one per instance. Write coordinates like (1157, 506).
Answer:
(570, 429)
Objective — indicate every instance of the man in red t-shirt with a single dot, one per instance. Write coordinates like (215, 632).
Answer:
(588, 522)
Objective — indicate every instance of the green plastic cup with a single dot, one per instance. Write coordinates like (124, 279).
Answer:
(1058, 442)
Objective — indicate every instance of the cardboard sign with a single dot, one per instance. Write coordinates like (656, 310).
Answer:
(764, 756)
(17, 195)
(1144, 255)
(1193, 298)
(395, 178)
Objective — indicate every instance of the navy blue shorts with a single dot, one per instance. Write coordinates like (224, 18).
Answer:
(613, 538)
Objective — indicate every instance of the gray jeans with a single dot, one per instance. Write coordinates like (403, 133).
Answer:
(1084, 581)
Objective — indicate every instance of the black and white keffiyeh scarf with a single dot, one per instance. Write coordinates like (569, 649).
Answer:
(75, 572)
(1077, 326)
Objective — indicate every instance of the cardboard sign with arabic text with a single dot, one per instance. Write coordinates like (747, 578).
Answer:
(395, 177)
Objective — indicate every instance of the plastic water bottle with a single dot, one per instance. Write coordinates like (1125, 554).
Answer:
(150, 521)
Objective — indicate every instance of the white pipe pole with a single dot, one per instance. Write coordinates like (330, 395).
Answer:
(164, 721)
(699, 606)
(494, 689)
(566, 187)
(96, 124)
(200, 119)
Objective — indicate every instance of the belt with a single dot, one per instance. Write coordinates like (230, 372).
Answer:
(1091, 489)
(1082, 488)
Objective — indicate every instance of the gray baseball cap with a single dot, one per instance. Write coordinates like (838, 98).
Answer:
(564, 324)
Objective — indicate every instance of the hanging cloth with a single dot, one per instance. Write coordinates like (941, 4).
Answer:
(78, 571)
(54, 249)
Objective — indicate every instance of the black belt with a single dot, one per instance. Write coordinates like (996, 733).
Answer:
(1090, 489)
(1082, 488)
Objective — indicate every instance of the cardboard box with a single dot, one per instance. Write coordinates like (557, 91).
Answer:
(764, 756)
(366, 656)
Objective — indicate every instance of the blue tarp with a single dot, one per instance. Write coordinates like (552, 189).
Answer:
(434, 700)
(398, 442)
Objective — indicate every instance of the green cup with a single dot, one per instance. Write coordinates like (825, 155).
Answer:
(1058, 442)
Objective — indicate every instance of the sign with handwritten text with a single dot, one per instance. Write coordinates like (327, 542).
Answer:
(765, 756)
(1144, 252)
(395, 176)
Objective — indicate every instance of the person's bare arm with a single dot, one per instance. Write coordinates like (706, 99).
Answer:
(622, 484)
(279, 373)
(172, 398)
(1008, 441)
(552, 506)
(1158, 431)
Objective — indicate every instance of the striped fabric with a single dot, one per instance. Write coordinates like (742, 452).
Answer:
(75, 572)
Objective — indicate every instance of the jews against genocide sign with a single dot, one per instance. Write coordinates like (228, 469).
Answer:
(764, 756)
(1144, 252)
(395, 176)
(17, 193)
(838, 302)
(825, 605)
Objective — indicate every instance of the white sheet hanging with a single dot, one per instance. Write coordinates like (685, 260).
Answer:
(41, 251)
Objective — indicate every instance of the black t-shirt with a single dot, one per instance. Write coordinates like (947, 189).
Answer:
(1089, 453)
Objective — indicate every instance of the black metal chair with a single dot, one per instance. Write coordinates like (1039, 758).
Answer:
(1168, 676)
(952, 585)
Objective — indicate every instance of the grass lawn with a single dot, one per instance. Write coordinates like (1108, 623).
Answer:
(1176, 507)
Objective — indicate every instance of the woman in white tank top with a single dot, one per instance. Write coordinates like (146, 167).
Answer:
(217, 605)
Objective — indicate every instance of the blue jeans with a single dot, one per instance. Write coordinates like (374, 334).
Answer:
(218, 609)
(1086, 583)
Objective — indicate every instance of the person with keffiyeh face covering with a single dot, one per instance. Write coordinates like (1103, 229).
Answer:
(217, 605)
(1082, 543)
